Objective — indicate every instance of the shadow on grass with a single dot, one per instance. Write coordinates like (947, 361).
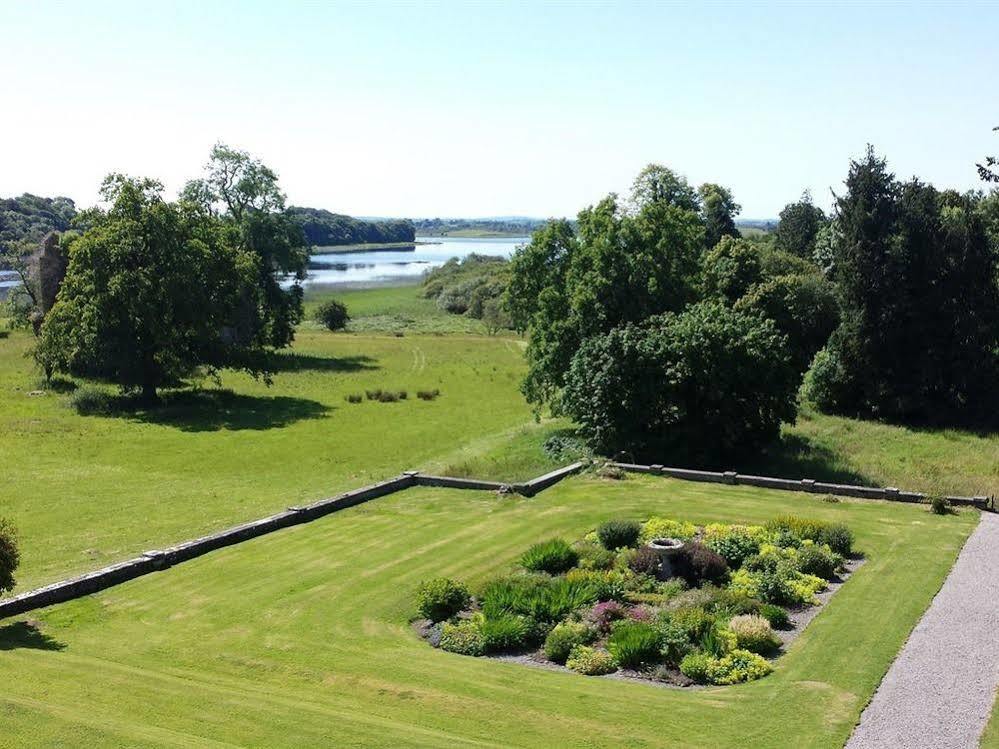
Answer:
(213, 410)
(798, 457)
(25, 635)
(311, 363)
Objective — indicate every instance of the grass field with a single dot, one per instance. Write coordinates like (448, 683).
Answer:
(301, 638)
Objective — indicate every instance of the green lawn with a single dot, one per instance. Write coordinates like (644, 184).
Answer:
(300, 638)
(87, 490)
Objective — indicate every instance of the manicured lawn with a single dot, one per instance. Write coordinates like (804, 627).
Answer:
(301, 638)
(87, 490)
(990, 740)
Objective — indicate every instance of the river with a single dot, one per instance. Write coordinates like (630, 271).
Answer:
(366, 268)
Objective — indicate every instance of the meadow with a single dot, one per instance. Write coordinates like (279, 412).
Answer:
(302, 637)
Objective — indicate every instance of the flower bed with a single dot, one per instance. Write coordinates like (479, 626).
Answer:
(663, 600)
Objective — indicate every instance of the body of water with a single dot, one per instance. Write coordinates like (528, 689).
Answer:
(374, 268)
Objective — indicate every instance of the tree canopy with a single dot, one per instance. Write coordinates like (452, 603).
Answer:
(799, 226)
(323, 228)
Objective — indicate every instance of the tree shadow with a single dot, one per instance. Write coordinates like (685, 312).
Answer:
(27, 635)
(214, 410)
(291, 362)
(797, 457)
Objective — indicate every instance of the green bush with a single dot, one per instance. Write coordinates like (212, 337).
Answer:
(674, 643)
(694, 620)
(718, 641)
(633, 644)
(441, 598)
(695, 666)
(505, 633)
(837, 537)
(814, 559)
(734, 547)
(428, 395)
(91, 401)
(737, 666)
(667, 528)
(332, 315)
(776, 615)
(10, 557)
(464, 638)
(753, 633)
(618, 534)
(589, 661)
(593, 556)
(564, 637)
(354, 398)
(801, 528)
(554, 557)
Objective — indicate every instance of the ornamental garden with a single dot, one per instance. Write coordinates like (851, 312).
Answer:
(663, 600)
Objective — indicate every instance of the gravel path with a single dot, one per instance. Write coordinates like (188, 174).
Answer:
(939, 692)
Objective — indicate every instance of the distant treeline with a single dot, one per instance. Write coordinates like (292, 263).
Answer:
(30, 217)
(323, 228)
(434, 227)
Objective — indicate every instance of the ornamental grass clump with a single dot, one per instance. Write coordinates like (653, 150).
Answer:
(753, 633)
(619, 534)
(543, 599)
(633, 644)
(554, 557)
(506, 632)
(441, 598)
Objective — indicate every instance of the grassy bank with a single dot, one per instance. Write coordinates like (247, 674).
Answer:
(301, 638)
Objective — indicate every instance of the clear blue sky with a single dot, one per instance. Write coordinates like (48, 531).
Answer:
(470, 109)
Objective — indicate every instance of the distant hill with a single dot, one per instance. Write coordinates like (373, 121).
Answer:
(504, 226)
(32, 217)
(323, 228)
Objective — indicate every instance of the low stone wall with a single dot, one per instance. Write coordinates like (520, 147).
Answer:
(532, 487)
(803, 485)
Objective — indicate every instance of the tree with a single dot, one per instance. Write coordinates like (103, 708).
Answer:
(245, 194)
(10, 557)
(495, 316)
(989, 171)
(731, 268)
(615, 268)
(332, 315)
(719, 210)
(660, 184)
(919, 340)
(153, 290)
(798, 227)
(699, 385)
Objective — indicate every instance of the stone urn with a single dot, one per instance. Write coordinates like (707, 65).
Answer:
(666, 549)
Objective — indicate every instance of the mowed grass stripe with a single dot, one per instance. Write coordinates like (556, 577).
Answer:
(301, 637)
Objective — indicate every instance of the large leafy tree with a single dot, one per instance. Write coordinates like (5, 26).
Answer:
(919, 341)
(719, 209)
(153, 290)
(245, 194)
(698, 386)
(660, 184)
(616, 267)
(799, 226)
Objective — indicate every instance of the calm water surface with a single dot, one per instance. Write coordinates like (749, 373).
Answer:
(360, 268)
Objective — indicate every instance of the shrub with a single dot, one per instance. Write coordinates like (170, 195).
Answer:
(563, 447)
(695, 666)
(698, 564)
(332, 315)
(427, 395)
(613, 472)
(617, 534)
(589, 661)
(666, 528)
(776, 615)
(387, 396)
(718, 641)
(593, 556)
(695, 621)
(546, 600)
(938, 505)
(839, 538)
(505, 632)
(10, 557)
(554, 557)
(564, 637)
(737, 666)
(402, 395)
(91, 401)
(643, 561)
(604, 614)
(354, 398)
(753, 633)
(819, 561)
(372, 395)
(441, 598)
(734, 546)
(633, 644)
(606, 585)
(464, 638)
(674, 643)
(802, 528)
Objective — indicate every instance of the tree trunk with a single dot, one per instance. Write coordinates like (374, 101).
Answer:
(149, 396)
